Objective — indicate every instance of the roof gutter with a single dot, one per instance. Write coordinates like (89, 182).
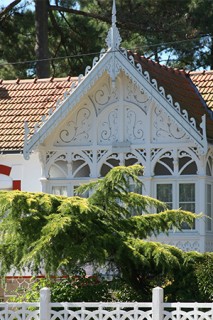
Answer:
(11, 151)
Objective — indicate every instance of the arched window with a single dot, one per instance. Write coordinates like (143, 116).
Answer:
(165, 165)
(209, 167)
(111, 162)
(187, 165)
(66, 173)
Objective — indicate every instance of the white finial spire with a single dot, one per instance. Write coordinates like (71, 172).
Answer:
(114, 20)
(113, 39)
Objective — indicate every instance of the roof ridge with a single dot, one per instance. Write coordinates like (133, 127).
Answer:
(199, 72)
(180, 72)
(36, 80)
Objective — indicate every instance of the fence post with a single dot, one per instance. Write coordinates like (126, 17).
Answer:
(45, 304)
(157, 303)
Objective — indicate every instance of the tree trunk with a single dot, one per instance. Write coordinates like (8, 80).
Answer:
(41, 47)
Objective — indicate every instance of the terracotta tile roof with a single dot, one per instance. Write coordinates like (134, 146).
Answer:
(26, 100)
(204, 82)
(183, 90)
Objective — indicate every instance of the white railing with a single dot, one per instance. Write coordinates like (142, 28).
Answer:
(155, 310)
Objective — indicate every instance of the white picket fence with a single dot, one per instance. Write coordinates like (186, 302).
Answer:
(155, 310)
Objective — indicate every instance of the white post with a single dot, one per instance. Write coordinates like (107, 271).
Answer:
(157, 303)
(45, 304)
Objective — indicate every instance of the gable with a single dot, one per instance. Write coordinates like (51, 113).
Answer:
(113, 64)
(116, 115)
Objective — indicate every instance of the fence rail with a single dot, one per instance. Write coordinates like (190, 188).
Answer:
(155, 310)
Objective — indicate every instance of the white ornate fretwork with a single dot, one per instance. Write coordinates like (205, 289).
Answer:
(19, 311)
(104, 95)
(113, 39)
(78, 129)
(108, 128)
(164, 127)
(134, 125)
(108, 310)
(180, 242)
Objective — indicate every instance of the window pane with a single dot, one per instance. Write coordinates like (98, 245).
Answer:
(187, 199)
(187, 206)
(187, 192)
(209, 167)
(164, 193)
(59, 190)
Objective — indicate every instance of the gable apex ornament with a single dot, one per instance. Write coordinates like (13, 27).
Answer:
(113, 39)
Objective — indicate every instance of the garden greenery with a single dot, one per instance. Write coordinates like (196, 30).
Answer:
(111, 228)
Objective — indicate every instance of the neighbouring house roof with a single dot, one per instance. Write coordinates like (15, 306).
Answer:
(204, 82)
(26, 100)
(29, 100)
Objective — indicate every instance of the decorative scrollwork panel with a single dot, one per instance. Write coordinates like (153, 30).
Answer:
(165, 129)
(77, 130)
(108, 128)
(134, 125)
(136, 95)
(103, 96)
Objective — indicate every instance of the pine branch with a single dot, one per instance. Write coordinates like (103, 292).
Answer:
(7, 9)
(128, 25)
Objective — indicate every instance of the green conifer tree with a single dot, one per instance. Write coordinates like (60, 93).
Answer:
(111, 228)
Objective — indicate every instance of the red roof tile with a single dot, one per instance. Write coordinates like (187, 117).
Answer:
(204, 82)
(182, 87)
(26, 100)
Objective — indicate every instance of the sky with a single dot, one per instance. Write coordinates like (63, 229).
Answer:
(4, 3)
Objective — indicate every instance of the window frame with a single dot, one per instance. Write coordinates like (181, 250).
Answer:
(69, 184)
(176, 196)
(210, 222)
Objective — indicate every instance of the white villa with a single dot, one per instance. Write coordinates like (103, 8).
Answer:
(58, 133)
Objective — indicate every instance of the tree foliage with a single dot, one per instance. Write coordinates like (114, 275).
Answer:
(111, 228)
(177, 33)
(204, 276)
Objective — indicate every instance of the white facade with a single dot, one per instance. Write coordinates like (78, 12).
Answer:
(122, 125)
(27, 172)
(117, 115)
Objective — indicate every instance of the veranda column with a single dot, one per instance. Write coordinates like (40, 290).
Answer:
(201, 207)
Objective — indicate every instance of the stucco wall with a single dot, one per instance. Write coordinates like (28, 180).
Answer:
(29, 172)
